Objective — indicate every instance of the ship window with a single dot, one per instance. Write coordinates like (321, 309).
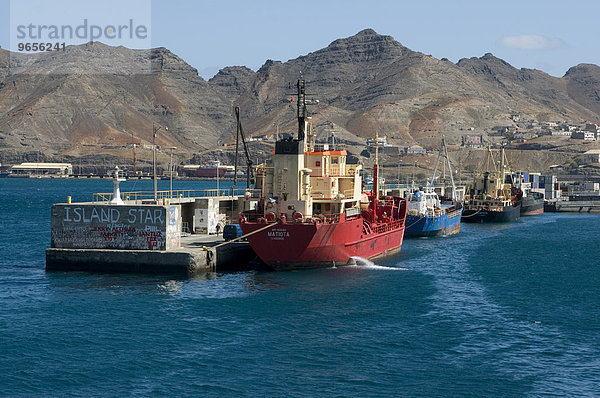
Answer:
(334, 160)
(318, 163)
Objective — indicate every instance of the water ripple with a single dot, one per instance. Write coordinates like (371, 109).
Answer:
(493, 335)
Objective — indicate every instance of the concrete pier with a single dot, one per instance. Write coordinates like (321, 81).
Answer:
(169, 235)
(110, 260)
(191, 257)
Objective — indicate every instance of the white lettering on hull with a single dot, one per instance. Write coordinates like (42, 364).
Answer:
(278, 234)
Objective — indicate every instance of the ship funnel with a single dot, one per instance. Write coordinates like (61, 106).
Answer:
(486, 182)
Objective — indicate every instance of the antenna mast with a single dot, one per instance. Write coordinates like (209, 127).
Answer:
(376, 177)
(302, 113)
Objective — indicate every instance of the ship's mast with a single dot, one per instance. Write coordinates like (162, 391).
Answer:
(443, 152)
(302, 113)
(437, 163)
(490, 160)
(449, 169)
(376, 177)
(502, 164)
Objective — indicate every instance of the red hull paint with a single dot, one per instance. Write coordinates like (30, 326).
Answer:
(287, 246)
(534, 212)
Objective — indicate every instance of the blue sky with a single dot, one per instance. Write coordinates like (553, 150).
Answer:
(547, 35)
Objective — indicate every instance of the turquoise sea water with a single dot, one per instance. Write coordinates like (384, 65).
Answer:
(498, 310)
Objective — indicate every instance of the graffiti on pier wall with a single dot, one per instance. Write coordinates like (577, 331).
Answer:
(145, 227)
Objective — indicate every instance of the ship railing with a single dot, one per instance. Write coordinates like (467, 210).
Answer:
(386, 202)
(334, 173)
(330, 218)
(489, 202)
(405, 187)
(348, 193)
(252, 216)
(343, 174)
(385, 227)
(140, 196)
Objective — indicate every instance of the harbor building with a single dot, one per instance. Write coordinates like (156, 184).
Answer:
(416, 150)
(584, 135)
(54, 169)
(592, 156)
(472, 141)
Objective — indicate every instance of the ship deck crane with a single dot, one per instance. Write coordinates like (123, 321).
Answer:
(240, 133)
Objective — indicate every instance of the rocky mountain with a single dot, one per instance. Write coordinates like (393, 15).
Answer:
(93, 99)
(583, 86)
(538, 88)
(233, 81)
(96, 97)
(4, 64)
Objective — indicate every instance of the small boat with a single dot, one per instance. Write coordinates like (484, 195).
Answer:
(492, 197)
(312, 211)
(427, 215)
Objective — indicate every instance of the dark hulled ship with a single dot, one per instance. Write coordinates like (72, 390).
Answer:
(492, 197)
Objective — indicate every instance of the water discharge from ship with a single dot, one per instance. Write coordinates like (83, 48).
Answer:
(357, 261)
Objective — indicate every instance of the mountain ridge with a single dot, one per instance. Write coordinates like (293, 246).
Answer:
(94, 95)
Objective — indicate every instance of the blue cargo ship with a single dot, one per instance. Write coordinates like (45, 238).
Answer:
(427, 216)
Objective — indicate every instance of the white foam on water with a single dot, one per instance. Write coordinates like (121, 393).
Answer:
(366, 263)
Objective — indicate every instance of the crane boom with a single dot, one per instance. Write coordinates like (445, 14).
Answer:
(240, 134)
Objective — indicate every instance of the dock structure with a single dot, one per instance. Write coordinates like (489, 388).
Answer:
(578, 197)
(198, 253)
(176, 233)
(572, 206)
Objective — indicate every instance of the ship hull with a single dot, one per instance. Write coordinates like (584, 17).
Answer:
(290, 246)
(507, 214)
(444, 225)
(531, 206)
(206, 172)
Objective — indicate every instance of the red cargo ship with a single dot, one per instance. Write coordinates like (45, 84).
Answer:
(312, 211)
